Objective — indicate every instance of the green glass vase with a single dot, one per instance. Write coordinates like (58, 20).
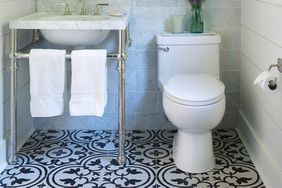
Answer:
(196, 23)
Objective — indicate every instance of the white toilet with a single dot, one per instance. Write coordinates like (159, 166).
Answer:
(193, 95)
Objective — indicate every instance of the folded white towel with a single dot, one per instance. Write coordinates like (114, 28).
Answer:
(89, 82)
(47, 79)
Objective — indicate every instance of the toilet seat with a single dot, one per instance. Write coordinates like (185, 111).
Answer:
(194, 89)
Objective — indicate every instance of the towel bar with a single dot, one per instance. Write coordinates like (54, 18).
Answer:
(21, 55)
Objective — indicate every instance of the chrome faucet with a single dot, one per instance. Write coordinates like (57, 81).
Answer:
(83, 7)
(67, 8)
(97, 8)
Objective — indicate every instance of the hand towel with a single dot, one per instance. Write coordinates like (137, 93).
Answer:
(47, 79)
(89, 82)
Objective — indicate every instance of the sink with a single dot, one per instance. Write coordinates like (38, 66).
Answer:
(72, 30)
(74, 37)
(68, 37)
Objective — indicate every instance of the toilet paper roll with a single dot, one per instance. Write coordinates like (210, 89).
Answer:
(265, 79)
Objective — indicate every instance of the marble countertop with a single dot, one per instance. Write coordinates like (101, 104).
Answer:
(70, 22)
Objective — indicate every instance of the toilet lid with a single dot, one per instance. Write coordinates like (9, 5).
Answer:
(194, 89)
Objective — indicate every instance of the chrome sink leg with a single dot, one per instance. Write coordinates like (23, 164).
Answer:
(12, 150)
(121, 96)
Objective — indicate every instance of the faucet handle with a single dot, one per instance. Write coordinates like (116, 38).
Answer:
(83, 7)
(67, 8)
(97, 7)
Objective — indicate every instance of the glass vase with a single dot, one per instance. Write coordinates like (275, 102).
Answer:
(196, 23)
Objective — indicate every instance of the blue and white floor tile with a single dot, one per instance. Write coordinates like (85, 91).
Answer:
(87, 159)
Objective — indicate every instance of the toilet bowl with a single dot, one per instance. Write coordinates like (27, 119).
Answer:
(195, 104)
(193, 95)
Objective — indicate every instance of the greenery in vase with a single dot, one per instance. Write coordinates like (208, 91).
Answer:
(196, 3)
(196, 23)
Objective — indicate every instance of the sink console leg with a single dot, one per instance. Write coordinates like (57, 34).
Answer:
(12, 150)
(121, 95)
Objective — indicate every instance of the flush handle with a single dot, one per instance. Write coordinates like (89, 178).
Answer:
(164, 49)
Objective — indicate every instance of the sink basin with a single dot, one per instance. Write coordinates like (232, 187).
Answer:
(76, 37)
(72, 30)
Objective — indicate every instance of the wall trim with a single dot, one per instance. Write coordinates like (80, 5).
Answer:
(269, 171)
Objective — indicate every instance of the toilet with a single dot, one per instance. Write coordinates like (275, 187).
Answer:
(193, 95)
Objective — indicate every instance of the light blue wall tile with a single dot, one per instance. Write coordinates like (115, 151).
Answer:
(231, 79)
(153, 121)
(230, 120)
(232, 101)
(230, 60)
(222, 17)
(146, 80)
(41, 123)
(146, 102)
(67, 122)
(23, 100)
(112, 80)
(130, 101)
(142, 59)
(130, 121)
(111, 106)
(157, 3)
(130, 80)
(230, 39)
(108, 122)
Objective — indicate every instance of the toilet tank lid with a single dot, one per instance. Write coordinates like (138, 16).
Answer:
(187, 38)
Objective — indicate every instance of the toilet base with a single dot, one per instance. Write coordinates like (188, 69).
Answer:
(193, 152)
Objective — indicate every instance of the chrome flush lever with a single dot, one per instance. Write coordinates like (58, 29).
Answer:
(164, 49)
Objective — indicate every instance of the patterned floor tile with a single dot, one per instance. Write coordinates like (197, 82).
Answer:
(87, 159)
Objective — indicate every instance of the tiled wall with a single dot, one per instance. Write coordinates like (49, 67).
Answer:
(143, 98)
(260, 112)
(11, 9)
(52, 5)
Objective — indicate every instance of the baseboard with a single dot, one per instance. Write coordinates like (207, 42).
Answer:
(3, 161)
(264, 163)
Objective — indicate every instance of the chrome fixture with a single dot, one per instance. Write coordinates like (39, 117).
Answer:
(83, 7)
(97, 8)
(273, 83)
(164, 49)
(67, 8)
(128, 38)
(13, 97)
(120, 56)
(278, 65)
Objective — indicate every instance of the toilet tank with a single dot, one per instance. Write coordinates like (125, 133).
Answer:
(187, 54)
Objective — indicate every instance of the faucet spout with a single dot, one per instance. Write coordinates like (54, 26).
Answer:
(83, 7)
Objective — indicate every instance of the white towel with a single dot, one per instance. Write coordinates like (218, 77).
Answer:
(89, 82)
(47, 79)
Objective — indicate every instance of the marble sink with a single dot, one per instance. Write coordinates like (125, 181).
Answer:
(72, 30)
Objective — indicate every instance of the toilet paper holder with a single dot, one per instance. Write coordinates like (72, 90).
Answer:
(278, 65)
(273, 84)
